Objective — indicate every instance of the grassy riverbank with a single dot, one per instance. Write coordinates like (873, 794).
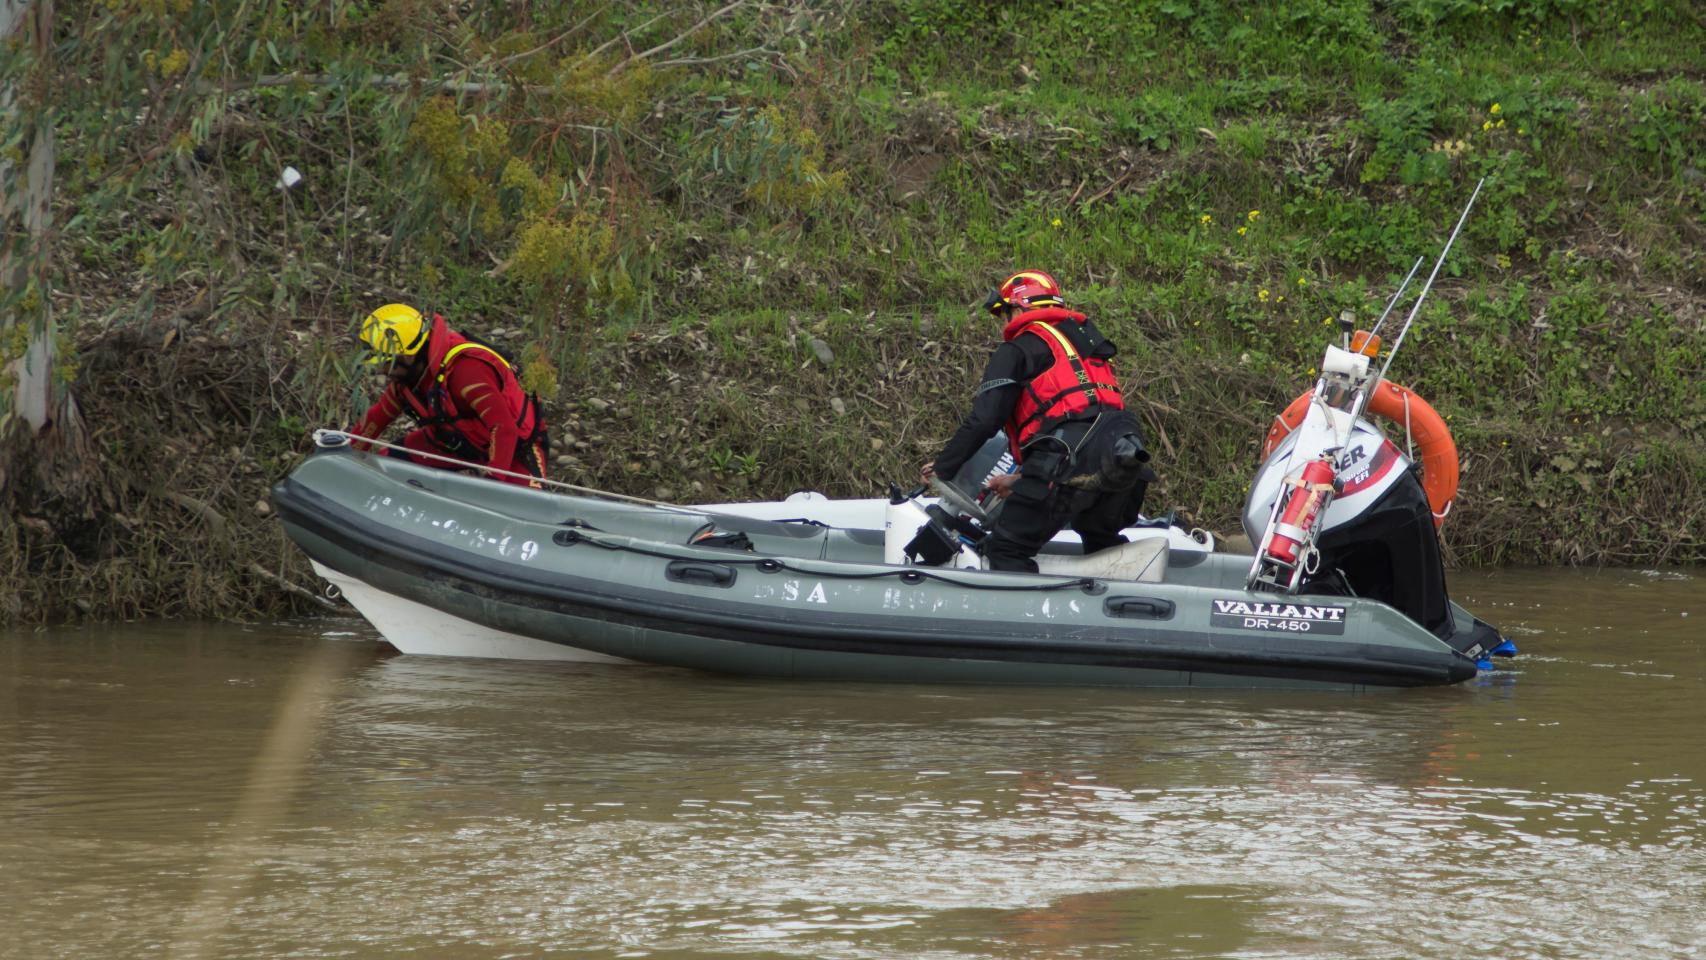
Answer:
(665, 234)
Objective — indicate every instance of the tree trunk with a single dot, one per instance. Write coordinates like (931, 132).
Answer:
(39, 422)
(24, 213)
(27, 211)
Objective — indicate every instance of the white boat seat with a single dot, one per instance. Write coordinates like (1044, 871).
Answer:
(1141, 561)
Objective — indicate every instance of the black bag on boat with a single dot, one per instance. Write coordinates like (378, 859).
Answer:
(938, 541)
(709, 536)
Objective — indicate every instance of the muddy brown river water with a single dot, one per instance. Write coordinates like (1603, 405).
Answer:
(172, 790)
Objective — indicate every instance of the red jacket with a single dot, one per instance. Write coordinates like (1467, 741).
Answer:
(1071, 386)
(467, 400)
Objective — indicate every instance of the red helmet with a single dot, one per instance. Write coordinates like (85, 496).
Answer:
(1030, 290)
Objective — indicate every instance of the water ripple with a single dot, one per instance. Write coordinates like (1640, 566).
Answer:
(500, 810)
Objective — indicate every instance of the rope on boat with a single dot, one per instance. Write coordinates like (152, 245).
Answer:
(329, 438)
(908, 575)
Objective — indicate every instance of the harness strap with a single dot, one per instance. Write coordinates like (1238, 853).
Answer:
(417, 408)
(444, 365)
(1071, 353)
(527, 401)
(1085, 385)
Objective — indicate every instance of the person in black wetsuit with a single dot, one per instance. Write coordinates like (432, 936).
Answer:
(1051, 387)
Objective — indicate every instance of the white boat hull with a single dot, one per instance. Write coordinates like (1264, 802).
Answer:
(417, 629)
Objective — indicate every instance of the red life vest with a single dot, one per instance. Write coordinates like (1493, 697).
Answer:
(1071, 386)
(439, 410)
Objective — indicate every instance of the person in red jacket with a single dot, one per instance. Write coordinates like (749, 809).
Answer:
(461, 393)
(1051, 387)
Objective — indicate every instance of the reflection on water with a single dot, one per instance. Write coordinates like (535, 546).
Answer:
(487, 809)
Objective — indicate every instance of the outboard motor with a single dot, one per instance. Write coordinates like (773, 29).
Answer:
(1376, 537)
(991, 460)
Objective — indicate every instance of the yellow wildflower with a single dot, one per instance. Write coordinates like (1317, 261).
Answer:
(1055, 223)
(1499, 125)
(1486, 125)
(174, 63)
(1243, 230)
(1302, 282)
(1262, 294)
(1205, 220)
(1255, 215)
(1494, 109)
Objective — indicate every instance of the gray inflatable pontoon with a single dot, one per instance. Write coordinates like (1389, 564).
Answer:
(444, 563)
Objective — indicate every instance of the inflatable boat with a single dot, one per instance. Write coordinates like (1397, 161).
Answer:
(444, 563)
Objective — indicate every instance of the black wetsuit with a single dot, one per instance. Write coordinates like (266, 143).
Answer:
(1062, 480)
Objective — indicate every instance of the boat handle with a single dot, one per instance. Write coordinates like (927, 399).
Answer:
(1138, 608)
(700, 574)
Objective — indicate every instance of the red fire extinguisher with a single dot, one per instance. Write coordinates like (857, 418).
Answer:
(1302, 507)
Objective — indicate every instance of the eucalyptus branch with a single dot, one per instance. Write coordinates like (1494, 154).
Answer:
(695, 61)
(619, 38)
(392, 81)
(690, 31)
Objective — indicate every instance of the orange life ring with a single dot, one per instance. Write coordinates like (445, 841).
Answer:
(1401, 406)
